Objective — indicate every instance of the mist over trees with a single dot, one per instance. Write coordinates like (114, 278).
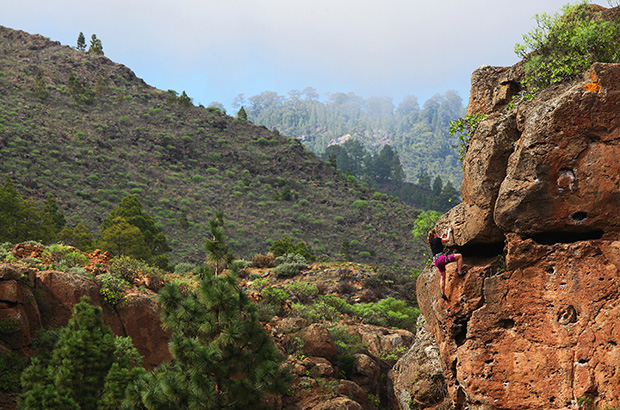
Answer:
(419, 134)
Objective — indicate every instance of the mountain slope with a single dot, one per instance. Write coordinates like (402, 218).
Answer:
(90, 132)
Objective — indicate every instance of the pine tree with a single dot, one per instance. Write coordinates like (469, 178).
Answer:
(96, 47)
(39, 89)
(20, 219)
(219, 253)
(121, 238)
(242, 115)
(81, 42)
(87, 370)
(222, 356)
(81, 237)
(51, 217)
(184, 100)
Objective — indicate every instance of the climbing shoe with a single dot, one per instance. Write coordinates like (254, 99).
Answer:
(444, 297)
(463, 273)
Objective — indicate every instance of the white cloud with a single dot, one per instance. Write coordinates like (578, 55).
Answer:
(217, 49)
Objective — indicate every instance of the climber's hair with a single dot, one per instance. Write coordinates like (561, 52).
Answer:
(431, 235)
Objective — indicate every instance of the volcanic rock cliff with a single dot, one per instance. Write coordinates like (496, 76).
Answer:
(535, 323)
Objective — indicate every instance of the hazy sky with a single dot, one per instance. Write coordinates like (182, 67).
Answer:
(217, 49)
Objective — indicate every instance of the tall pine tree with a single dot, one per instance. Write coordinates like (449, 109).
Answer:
(223, 357)
(87, 370)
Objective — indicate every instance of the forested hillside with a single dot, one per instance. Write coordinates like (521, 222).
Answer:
(84, 129)
(419, 135)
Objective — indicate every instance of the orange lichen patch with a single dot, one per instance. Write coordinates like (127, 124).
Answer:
(594, 86)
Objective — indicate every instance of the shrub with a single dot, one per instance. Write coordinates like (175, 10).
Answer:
(465, 128)
(11, 367)
(388, 312)
(285, 246)
(290, 265)
(263, 261)
(184, 267)
(304, 292)
(347, 345)
(360, 204)
(566, 44)
(131, 270)
(316, 312)
(112, 288)
(64, 256)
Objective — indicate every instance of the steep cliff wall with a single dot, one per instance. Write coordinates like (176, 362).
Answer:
(535, 322)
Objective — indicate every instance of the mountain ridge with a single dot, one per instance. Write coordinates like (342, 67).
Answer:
(104, 134)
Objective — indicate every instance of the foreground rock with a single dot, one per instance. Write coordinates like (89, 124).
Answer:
(34, 299)
(417, 378)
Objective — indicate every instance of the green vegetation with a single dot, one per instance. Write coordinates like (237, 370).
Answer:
(11, 367)
(88, 368)
(81, 42)
(465, 127)
(424, 223)
(96, 47)
(129, 231)
(565, 44)
(24, 219)
(223, 357)
(106, 135)
(218, 251)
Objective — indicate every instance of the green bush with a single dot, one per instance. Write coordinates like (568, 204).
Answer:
(347, 345)
(130, 269)
(565, 44)
(316, 312)
(360, 204)
(11, 367)
(112, 288)
(184, 267)
(290, 265)
(389, 312)
(304, 292)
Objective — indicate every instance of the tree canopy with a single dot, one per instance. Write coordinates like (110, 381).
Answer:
(24, 219)
(222, 356)
(129, 231)
(88, 368)
(419, 134)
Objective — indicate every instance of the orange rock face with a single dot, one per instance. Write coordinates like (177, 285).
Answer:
(540, 333)
(537, 325)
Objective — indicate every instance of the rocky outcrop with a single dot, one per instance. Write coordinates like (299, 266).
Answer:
(417, 378)
(31, 299)
(534, 324)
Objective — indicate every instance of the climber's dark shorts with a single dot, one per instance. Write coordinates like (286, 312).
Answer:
(440, 260)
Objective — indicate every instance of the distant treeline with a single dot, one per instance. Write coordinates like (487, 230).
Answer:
(383, 171)
(420, 136)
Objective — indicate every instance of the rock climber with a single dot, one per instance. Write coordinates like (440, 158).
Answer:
(440, 259)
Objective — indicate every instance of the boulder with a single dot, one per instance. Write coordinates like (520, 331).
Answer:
(366, 373)
(338, 403)
(317, 341)
(140, 319)
(563, 175)
(417, 377)
(493, 88)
